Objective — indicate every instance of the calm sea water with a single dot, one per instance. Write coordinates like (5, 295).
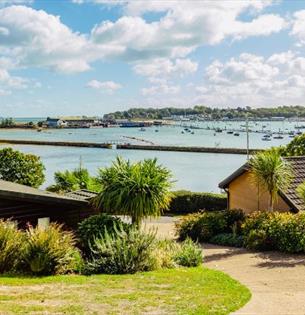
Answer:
(192, 171)
(165, 135)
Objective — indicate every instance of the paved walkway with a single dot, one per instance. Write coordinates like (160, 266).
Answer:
(276, 280)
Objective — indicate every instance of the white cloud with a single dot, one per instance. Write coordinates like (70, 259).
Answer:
(254, 80)
(185, 26)
(11, 2)
(160, 89)
(165, 67)
(298, 27)
(106, 86)
(35, 38)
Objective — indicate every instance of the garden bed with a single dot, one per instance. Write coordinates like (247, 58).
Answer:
(170, 291)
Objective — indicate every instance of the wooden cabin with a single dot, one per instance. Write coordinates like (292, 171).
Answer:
(27, 205)
(244, 194)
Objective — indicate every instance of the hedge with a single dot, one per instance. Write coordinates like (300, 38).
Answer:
(185, 202)
(264, 230)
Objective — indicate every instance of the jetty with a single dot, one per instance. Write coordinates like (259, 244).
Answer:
(127, 146)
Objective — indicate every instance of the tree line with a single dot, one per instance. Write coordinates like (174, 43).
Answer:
(213, 113)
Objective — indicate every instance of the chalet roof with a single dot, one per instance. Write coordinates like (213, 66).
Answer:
(290, 196)
(10, 190)
(82, 194)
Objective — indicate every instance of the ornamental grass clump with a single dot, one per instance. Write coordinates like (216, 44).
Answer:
(171, 254)
(189, 254)
(122, 252)
(50, 251)
(11, 246)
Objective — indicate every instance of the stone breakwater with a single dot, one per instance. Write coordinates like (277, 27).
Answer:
(113, 145)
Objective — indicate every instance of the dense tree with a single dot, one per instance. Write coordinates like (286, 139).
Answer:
(296, 147)
(139, 189)
(18, 167)
(77, 179)
(271, 172)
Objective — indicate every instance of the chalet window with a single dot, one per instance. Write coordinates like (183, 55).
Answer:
(43, 223)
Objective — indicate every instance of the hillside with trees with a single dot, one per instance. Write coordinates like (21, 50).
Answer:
(213, 113)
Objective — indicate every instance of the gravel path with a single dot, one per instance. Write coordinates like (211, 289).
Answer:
(276, 280)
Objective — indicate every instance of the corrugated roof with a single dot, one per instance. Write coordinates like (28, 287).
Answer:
(290, 196)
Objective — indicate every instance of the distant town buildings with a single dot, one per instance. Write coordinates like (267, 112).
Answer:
(73, 122)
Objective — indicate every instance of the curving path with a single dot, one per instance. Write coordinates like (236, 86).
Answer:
(276, 280)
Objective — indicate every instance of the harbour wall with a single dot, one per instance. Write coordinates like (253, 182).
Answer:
(111, 145)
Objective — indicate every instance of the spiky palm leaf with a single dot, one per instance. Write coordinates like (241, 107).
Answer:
(139, 189)
(271, 172)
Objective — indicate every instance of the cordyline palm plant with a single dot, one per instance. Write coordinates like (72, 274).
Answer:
(271, 172)
(139, 190)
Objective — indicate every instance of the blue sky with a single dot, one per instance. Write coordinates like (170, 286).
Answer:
(90, 57)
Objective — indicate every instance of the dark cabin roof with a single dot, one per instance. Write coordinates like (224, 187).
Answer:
(290, 196)
(14, 191)
(82, 194)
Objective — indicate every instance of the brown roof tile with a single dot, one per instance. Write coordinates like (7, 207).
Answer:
(298, 165)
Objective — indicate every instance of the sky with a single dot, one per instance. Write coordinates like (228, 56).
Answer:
(91, 57)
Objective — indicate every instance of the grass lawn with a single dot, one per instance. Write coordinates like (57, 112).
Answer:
(175, 291)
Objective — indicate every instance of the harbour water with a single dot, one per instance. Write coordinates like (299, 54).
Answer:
(191, 171)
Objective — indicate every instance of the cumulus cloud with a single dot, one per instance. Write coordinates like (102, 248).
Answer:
(106, 86)
(166, 67)
(161, 88)
(254, 80)
(35, 38)
(185, 26)
(298, 27)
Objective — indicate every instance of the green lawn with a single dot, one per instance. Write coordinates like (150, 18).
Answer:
(176, 291)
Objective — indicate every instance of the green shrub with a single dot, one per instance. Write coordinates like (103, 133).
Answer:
(95, 227)
(184, 202)
(295, 148)
(122, 252)
(276, 231)
(50, 251)
(234, 219)
(164, 252)
(204, 225)
(11, 246)
(257, 230)
(188, 254)
(228, 239)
